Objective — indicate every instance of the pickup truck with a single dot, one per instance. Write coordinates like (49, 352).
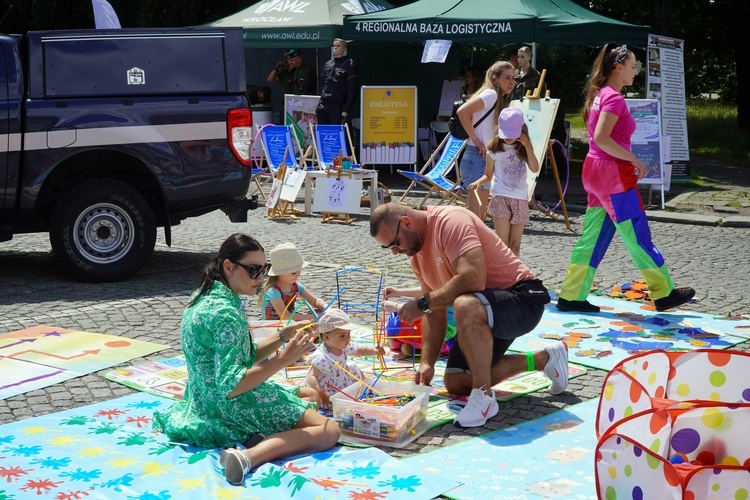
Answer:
(106, 135)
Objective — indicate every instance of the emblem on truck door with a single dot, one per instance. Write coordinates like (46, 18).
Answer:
(136, 76)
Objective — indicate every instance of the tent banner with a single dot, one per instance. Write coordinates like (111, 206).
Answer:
(465, 31)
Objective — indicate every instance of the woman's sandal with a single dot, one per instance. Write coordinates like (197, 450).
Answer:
(235, 464)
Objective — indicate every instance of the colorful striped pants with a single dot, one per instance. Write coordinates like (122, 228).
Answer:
(614, 203)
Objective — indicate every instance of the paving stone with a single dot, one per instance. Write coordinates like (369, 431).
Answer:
(712, 258)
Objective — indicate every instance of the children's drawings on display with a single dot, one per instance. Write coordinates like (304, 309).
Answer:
(337, 195)
(292, 184)
(539, 115)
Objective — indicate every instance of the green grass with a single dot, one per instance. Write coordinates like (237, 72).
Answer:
(712, 129)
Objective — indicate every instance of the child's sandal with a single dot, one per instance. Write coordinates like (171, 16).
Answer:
(235, 464)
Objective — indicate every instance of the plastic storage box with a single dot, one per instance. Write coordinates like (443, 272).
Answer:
(364, 423)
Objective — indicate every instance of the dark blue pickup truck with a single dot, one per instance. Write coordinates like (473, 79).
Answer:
(106, 135)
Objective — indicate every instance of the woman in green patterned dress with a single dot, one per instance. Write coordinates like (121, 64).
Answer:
(228, 397)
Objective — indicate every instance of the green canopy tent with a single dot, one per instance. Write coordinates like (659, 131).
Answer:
(554, 22)
(284, 23)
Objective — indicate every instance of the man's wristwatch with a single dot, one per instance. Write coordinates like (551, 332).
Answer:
(422, 305)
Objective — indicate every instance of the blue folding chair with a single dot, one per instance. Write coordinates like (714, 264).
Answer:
(433, 175)
(330, 141)
(280, 146)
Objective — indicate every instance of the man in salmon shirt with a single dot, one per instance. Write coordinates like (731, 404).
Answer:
(460, 262)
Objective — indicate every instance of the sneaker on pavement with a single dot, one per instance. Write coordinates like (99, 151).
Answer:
(576, 306)
(479, 407)
(556, 368)
(676, 298)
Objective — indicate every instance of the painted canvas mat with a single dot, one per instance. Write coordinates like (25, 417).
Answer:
(167, 378)
(43, 355)
(625, 327)
(551, 457)
(108, 450)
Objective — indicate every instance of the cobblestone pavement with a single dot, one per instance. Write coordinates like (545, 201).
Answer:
(714, 260)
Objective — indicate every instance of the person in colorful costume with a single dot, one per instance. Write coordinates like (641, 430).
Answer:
(610, 176)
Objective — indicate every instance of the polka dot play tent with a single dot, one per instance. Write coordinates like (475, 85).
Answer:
(675, 425)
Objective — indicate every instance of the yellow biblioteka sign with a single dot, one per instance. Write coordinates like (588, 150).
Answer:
(388, 131)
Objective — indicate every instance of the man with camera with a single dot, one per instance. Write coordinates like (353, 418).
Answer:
(295, 75)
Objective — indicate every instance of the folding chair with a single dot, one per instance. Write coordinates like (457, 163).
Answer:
(434, 172)
(276, 141)
(330, 141)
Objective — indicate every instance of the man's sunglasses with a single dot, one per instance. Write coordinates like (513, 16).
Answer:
(395, 239)
(256, 270)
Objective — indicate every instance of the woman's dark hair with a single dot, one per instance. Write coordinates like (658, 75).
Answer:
(234, 248)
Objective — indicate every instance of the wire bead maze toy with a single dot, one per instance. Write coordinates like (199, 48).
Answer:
(364, 282)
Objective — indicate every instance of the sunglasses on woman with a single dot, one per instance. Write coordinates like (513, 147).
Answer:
(255, 271)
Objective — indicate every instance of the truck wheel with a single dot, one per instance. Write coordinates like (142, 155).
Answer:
(103, 230)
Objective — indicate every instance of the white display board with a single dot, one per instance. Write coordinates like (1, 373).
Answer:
(450, 94)
(334, 195)
(539, 115)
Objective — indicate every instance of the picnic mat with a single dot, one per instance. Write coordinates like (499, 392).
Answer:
(167, 378)
(108, 450)
(43, 355)
(551, 457)
(625, 327)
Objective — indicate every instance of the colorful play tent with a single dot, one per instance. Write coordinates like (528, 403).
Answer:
(675, 425)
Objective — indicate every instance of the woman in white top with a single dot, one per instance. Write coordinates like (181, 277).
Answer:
(492, 96)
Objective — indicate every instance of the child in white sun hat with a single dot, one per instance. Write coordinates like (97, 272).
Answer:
(283, 286)
(509, 154)
(326, 373)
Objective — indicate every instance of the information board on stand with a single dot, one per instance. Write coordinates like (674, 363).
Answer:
(647, 143)
(388, 133)
(666, 83)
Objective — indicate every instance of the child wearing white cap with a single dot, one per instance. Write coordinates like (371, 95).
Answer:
(279, 293)
(329, 363)
(509, 153)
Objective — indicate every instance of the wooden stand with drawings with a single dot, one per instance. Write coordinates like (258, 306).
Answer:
(343, 218)
(280, 201)
(544, 109)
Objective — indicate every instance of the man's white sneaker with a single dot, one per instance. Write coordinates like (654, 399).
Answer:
(556, 368)
(478, 409)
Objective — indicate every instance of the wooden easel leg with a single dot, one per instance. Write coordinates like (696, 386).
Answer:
(551, 154)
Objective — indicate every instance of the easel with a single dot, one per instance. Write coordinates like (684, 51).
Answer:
(535, 95)
(280, 208)
(542, 208)
(342, 218)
